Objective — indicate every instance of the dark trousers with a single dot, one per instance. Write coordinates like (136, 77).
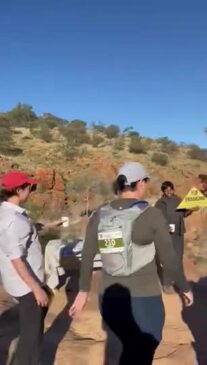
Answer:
(133, 326)
(31, 327)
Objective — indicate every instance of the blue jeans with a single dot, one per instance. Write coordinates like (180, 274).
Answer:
(133, 326)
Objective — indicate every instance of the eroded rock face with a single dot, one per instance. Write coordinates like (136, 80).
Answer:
(52, 194)
(45, 177)
(58, 183)
(104, 168)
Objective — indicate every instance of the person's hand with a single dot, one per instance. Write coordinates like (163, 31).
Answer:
(188, 298)
(41, 296)
(53, 224)
(195, 209)
(78, 305)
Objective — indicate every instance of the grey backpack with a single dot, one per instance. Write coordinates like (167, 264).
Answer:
(120, 256)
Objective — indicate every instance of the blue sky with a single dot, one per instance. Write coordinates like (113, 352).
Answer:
(140, 63)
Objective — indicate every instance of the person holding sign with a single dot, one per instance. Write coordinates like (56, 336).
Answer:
(168, 204)
(202, 178)
(129, 234)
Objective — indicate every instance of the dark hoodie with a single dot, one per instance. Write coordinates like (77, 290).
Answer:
(168, 207)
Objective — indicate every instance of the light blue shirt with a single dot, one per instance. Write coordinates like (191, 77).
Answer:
(18, 239)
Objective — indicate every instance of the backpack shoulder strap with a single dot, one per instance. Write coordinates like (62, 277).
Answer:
(141, 205)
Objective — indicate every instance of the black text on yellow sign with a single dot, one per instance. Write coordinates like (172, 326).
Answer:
(194, 199)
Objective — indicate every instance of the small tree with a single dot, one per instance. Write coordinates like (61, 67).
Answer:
(75, 133)
(112, 131)
(21, 114)
(128, 130)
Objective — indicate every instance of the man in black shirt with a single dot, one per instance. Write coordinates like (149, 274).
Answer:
(168, 204)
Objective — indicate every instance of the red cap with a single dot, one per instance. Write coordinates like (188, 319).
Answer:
(15, 179)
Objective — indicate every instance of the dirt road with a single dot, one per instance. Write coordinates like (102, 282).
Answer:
(184, 334)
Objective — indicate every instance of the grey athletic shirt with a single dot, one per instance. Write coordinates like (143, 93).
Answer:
(150, 226)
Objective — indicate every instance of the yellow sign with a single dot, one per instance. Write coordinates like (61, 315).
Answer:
(194, 199)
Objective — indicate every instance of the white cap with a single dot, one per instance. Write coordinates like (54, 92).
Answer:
(133, 171)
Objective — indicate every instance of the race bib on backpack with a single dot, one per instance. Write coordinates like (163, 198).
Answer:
(111, 241)
(120, 256)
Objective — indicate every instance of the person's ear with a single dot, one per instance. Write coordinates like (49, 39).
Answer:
(33, 188)
(18, 191)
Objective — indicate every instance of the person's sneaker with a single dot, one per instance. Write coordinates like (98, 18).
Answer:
(168, 290)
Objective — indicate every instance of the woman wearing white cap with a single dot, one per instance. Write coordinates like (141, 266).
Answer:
(130, 236)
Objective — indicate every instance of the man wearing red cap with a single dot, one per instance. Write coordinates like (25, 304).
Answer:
(21, 265)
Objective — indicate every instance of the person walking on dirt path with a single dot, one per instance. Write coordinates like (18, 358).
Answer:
(175, 220)
(21, 265)
(129, 235)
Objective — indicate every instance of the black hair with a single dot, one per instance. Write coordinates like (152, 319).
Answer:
(6, 194)
(121, 185)
(167, 184)
(202, 178)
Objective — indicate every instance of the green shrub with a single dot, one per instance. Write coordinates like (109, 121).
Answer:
(96, 140)
(45, 133)
(119, 143)
(75, 133)
(27, 138)
(133, 133)
(197, 153)
(10, 151)
(160, 158)
(136, 145)
(39, 129)
(6, 140)
(52, 121)
(112, 131)
(71, 153)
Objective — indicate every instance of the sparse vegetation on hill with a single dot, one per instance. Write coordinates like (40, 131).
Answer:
(87, 157)
(136, 145)
(167, 146)
(112, 131)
